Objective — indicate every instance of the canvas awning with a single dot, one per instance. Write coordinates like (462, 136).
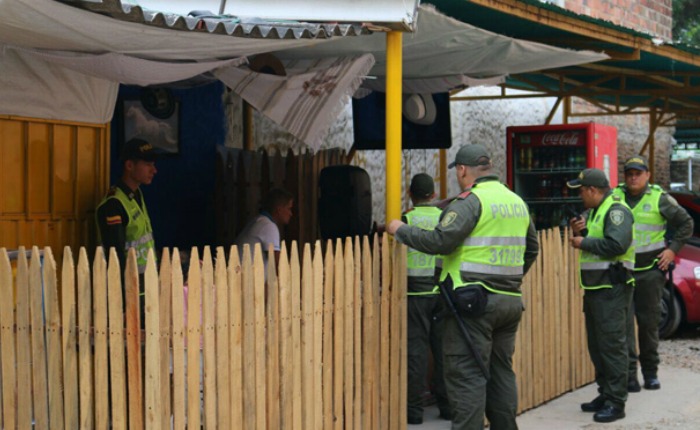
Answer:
(74, 52)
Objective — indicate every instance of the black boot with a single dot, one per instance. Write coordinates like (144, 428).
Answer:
(633, 385)
(609, 414)
(652, 383)
(594, 405)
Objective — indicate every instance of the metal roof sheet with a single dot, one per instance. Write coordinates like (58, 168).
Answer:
(220, 24)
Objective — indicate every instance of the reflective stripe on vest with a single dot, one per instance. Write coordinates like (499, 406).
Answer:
(139, 233)
(594, 269)
(420, 264)
(649, 224)
(496, 246)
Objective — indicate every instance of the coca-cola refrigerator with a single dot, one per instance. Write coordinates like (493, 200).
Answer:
(541, 158)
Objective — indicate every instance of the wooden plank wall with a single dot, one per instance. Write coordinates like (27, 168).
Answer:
(316, 342)
(243, 178)
(52, 175)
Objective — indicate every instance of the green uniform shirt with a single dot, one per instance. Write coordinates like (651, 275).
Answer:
(457, 221)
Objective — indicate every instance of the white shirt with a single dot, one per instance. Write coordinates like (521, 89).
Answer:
(260, 230)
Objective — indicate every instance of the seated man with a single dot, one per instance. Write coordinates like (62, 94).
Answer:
(264, 229)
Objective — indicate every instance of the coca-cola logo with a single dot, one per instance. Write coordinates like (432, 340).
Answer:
(568, 138)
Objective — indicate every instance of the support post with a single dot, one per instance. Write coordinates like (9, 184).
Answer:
(442, 169)
(653, 125)
(393, 124)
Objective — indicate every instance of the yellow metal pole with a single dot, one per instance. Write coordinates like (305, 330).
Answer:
(393, 124)
(443, 174)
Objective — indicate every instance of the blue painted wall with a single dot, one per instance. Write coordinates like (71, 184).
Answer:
(181, 197)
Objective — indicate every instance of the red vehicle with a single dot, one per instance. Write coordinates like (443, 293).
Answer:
(684, 305)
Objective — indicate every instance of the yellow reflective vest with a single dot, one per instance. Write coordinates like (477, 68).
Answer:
(420, 264)
(139, 233)
(497, 243)
(649, 226)
(594, 269)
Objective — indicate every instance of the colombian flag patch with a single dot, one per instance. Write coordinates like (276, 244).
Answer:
(113, 220)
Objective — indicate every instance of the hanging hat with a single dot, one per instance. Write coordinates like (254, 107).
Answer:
(420, 109)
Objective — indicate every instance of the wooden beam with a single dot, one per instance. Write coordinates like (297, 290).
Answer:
(575, 25)
(553, 111)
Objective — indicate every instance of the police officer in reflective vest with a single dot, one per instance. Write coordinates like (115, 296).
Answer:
(653, 210)
(606, 263)
(424, 307)
(122, 217)
(488, 242)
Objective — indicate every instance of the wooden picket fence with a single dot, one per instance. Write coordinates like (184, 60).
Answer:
(316, 342)
(551, 352)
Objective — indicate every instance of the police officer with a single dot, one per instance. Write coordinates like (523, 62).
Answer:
(606, 263)
(653, 210)
(122, 217)
(488, 242)
(424, 307)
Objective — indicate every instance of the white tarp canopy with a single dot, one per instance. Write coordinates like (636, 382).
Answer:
(70, 61)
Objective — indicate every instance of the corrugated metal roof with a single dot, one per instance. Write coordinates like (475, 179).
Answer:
(220, 24)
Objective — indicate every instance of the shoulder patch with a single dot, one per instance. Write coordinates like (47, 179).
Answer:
(448, 218)
(113, 220)
(617, 216)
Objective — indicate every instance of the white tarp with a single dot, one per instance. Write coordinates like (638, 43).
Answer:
(33, 88)
(444, 51)
(308, 99)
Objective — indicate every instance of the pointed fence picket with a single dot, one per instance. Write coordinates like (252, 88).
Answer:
(315, 339)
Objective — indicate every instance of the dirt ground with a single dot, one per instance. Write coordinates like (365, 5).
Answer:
(675, 406)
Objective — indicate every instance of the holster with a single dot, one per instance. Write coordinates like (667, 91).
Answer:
(618, 274)
(469, 301)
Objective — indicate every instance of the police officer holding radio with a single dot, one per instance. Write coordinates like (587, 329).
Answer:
(653, 211)
(424, 308)
(488, 243)
(606, 263)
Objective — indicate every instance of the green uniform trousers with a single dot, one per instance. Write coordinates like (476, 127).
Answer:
(646, 307)
(606, 313)
(424, 335)
(470, 394)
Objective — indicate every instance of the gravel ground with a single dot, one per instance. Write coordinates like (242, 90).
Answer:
(683, 352)
(675, 407)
